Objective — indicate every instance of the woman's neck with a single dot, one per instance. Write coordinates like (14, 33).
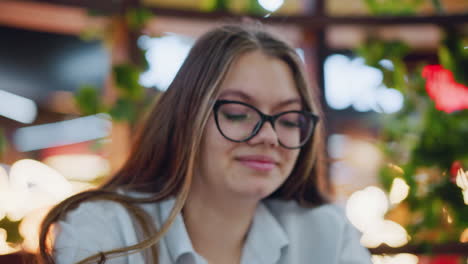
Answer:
(218, 226)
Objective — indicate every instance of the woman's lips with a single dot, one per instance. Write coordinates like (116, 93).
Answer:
(259, 163)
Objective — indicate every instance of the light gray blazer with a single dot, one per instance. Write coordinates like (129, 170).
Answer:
(281, 233)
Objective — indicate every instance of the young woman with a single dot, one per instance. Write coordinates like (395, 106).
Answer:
(228, 168)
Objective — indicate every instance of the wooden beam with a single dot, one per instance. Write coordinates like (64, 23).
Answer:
(48, 17)
(311, 21)
(308, 21)
(447, 248)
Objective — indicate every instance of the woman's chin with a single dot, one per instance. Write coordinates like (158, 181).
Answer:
(256, 189)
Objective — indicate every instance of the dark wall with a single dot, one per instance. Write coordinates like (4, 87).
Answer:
(33, 64)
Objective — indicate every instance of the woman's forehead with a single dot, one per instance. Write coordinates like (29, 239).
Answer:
(256, 76)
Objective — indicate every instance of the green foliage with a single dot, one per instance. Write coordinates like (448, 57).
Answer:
(438, 6)
(126, 78)
(441, 142)
(423, 141)
(248, 6)
(143, 62)
(215, 5)
(3, 142)
(12, 228)
(130, 96)
(88, 100)
(208, 5)
(138, 17)
(454, 56)
(374, 51)
(255, 8)
(221, 4)
(393, 7)
(123, 110)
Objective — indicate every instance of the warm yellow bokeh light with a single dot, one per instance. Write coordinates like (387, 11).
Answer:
(462, 182)
(366, 210)
(364, 155)
(3, 178)
(396, 168)
(32, 188)
(403, 258)
(6, 248)
(29, 228)
(366, 207)
(399, 191)
(386, 232)
(79, 167)
(36, 176)
(464, 236)
(32, 185)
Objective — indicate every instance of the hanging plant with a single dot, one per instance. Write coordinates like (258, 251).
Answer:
(393, 7)
(130, 102)
(400, 7)
(425, 141)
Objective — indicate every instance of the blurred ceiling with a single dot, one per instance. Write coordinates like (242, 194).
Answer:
(62, 21)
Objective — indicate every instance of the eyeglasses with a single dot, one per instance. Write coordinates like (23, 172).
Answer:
(239, 122)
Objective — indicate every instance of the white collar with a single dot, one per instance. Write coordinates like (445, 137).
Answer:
(177, 238)
(265, 240)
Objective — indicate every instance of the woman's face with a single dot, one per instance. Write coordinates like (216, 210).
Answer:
(257, 167)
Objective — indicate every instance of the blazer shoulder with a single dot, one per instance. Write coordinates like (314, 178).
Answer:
(329, 215)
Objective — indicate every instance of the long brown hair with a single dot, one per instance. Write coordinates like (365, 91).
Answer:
(162, 159)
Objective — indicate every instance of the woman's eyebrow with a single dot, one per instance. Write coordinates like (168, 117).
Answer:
(238, 94)
(289, 102)
(250, 99)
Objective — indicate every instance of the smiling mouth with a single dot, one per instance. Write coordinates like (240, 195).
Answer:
(258, 164)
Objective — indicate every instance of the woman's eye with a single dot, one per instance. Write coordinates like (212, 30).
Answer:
(235, 117)
(289, 123)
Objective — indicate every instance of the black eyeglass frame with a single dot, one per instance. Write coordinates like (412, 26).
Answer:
(264, 118)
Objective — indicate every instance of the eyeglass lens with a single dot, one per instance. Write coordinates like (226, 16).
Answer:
(238, 122)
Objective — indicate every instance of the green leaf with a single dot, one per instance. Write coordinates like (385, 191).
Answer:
(208, 5)
(126, 78)
(222, 5)
(438, 6)
(12, 228)
(123, 110)
(445, 58)
(88, 100)
(138, 17)
(386, 176)
(399, 75)
(453, 55)
(3, 142)
(143, 62)
(393, 7)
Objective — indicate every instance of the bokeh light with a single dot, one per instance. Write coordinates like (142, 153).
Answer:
(399, 191)
(17, 107)
(358, 86)
(403, 258)
(271, 5)
(165, 56)
(5, 247)
(79, 167)
(366, 210)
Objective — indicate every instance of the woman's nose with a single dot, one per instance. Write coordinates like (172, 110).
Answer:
(266, 135)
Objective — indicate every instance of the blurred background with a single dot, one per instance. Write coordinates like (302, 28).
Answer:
(77, 76)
